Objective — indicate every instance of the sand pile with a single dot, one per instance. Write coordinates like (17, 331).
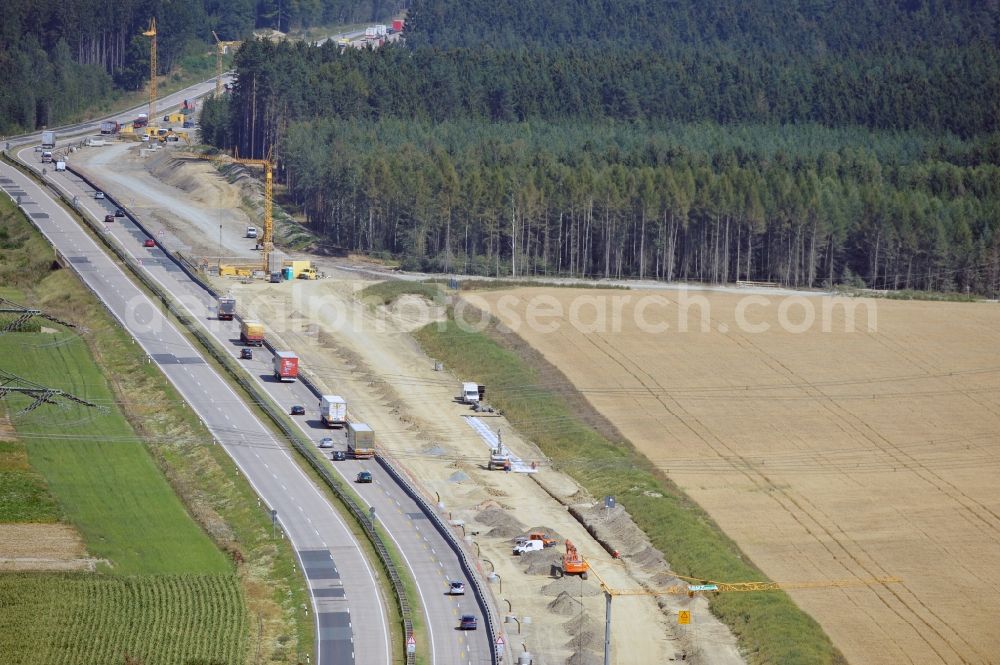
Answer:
(458, 477)
(573, 585)
(541, 562)
(585, 633)
(566, 605)
(585, 657)
(504, 524)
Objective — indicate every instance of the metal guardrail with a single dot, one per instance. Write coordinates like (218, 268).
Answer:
(295, 437)
(449, 536)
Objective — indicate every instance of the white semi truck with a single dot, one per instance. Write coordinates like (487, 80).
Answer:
(333, 410)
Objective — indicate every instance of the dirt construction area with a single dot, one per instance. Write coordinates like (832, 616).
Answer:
(366, 354)
(825, 454)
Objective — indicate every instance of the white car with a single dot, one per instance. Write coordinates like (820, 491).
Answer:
(98, 194)
(456, 588)
(326, 442)
(528, 546)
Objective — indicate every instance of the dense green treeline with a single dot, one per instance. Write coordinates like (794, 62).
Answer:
(58, 58)
(771, 26)
(947, 90)
(589, 201)
(800, 142)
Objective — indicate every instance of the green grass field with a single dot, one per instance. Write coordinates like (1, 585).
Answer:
(385, 293)
(25, 496)
(170, 594)
(99, 471)
(51, 618)
(769, 626)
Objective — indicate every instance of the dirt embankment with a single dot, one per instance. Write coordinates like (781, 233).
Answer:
(366, 354)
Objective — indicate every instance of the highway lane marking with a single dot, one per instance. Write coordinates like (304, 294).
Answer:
(365, 563)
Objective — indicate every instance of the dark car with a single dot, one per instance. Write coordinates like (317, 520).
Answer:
(298, 410)
(246, 354)
(364, 477)
(119, 212)
(109, 218)
(338, 456)
(468, 622)
(149, 242)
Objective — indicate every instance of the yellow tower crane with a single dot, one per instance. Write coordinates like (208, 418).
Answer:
(696, 586)
(267, 239)
(220, 50)
(151, 33)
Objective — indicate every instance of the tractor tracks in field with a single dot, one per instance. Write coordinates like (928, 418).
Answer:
(805, 513)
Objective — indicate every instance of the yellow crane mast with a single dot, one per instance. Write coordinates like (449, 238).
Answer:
(267, 239)
(151, 33)
(220, 50)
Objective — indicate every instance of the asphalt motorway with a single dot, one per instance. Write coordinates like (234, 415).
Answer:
(425, 552)
(164, 105)
(347, 606)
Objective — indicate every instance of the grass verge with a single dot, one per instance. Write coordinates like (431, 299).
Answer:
(769, 626)
(104, 479)
(384, 293)
(202, 475)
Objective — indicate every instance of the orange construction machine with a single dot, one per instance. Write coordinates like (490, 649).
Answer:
(573, 563)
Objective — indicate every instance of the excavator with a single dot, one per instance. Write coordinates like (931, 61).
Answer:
(573, 563)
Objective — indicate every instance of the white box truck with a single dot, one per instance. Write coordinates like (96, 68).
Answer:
(333, 410)
(470, 393)
(48, 139)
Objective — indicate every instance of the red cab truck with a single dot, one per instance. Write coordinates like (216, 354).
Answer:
(286, 366)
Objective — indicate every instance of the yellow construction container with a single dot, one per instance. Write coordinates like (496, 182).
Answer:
(298, 267)
(175, 118)
(236, 271)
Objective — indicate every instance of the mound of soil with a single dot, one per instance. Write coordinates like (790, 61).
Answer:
(541, 562)
(566, 605)
(504, 524)
(571, 585)
(585, 634)
(585, 657)
(458, 477)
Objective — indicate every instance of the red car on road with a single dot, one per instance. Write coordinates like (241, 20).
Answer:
(149, 242)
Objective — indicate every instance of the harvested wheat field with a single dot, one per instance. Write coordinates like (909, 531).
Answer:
(825, 454)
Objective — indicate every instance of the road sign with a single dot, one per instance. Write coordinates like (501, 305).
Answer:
(411, 644)
(703, 587)
(684, 617)
(500, 645)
